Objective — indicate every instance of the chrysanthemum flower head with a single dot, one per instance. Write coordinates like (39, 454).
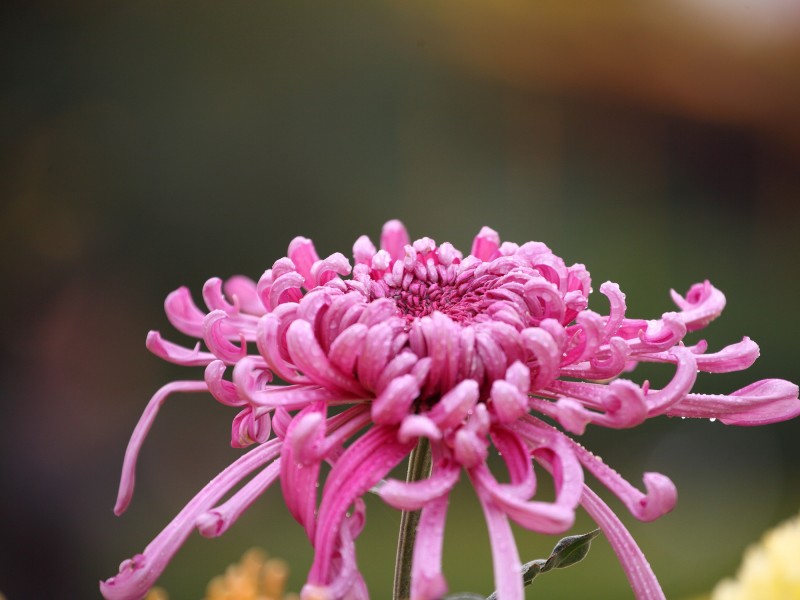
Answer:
(352, 363)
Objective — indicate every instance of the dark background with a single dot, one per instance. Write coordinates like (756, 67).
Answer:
(148, 145)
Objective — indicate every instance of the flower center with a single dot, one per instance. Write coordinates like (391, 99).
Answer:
(460, 303)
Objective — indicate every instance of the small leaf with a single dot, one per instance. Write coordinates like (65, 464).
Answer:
(532, 569)
(570, 550)
(567, 552)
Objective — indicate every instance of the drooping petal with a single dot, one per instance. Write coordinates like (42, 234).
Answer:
(637, 569)
(661, 493)
(300, 463)
(217, 521)
(427, 581)
(505, 558)
(137, 575)
(128, 477)
(361, 466)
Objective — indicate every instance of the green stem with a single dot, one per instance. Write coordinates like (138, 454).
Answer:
(419, 467)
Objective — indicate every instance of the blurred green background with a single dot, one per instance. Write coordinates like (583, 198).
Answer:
(148, 145)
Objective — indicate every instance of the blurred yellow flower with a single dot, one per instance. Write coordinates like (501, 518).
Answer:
(254, 577)
(770, 570)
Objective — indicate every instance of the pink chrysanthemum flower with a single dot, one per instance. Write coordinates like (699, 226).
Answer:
(415, 341)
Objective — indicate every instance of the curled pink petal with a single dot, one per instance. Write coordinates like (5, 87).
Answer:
(218, 343)
(661, 492)
(183, 313)
(224, 391)
(703, 303)
(735, 357)
(413, 496)
(760, 403)
(683, 380)
(243, 292)
(395, 401)
(303, 254)
(177, 354)
(455, 405)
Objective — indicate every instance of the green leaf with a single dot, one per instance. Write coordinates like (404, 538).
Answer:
(568, 551)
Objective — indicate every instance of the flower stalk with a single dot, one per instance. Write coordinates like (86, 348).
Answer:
(419, 467)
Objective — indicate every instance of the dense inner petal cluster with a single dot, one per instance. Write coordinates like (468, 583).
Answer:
(417, 341)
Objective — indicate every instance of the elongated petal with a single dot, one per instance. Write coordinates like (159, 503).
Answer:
(140, 433)
(735, 357)
(637, 569)
(427, 581)
(217, 521)
(760, 403)
(505, 558)
(361, 466)
(661, 492)
(137, 575)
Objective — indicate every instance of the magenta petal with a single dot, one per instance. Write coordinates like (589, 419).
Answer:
(760, 403)
(177, 354)
(703, 304)
(243, 290)
(485, 244)
(140, 433)
(505, 558)
(395, 401)
(300, 463)
(544, 517)
(303, 254)
(361, 466)
(313, 361)
(735, 357)
(137, 576)
(682, 382)
(415, 495)
(394, 238)
(217, 342)
(661, 493)
(427, 581)
(640, 575)
(183, 313)
(218, 520)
